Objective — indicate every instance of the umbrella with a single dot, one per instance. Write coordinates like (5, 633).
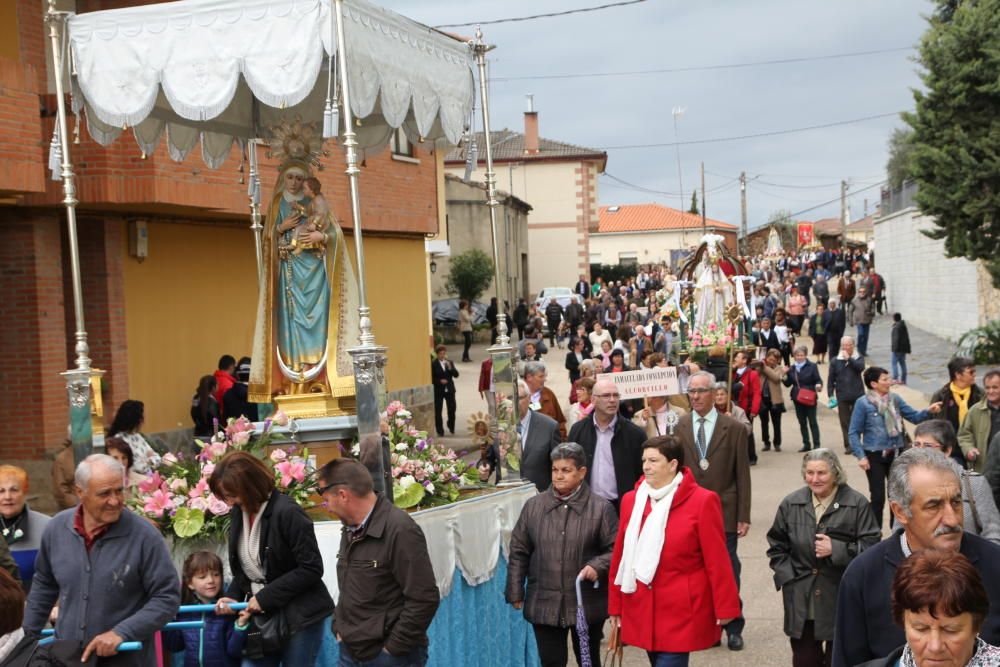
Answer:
(581, 626)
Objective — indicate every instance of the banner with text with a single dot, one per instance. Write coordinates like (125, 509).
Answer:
(644, 382)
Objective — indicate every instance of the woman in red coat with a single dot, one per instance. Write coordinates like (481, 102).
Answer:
(673, 584)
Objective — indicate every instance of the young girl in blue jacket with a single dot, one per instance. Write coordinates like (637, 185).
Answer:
(219, 643)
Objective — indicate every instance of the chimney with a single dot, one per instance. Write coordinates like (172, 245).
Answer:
(531, 128)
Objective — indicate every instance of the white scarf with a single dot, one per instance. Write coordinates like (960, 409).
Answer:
(248, 550)
(9, 641)
(641, 549)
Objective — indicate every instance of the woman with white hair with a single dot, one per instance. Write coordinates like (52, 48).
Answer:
(818, 530)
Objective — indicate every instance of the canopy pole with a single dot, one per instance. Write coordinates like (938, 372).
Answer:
(77, 379)
(255, 226)
(501, 353)
(369, 359)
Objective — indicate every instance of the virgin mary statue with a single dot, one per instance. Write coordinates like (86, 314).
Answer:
(307, 311)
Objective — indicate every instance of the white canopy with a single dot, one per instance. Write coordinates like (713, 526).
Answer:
(228, 70)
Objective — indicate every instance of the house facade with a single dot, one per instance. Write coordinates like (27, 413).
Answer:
(560, 182)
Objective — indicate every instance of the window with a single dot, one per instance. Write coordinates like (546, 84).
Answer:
(628, 258)
(399, 144)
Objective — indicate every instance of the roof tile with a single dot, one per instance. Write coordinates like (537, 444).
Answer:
(509, 145)
(651, 217)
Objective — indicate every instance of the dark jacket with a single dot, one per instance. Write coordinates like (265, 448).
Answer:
(7, 561)
(900, 338)
(236, 403)
(865, 629)
(768, 340)
(835, 330)
(798, 574)
(626, 450)
(388, 595)
(521, 314)
(807, 378)
(574, 314)
(826, 324)
(573, 364)
(217, 644)
(949, 411)
(437, 374)
(293, 565)
(543, 437)
(844, 380)
(206, 427)
(552, 541)
(553, 313)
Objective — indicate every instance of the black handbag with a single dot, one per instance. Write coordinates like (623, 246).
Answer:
(267, 635)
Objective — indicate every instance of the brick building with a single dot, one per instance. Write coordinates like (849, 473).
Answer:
(157, 324)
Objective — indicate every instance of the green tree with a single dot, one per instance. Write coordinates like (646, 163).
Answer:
(694, 203)
(955, 158)
(469, 274)
(900, 153)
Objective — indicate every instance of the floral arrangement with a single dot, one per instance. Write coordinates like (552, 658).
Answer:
(176, 497)
(423, 474)
(711, 335)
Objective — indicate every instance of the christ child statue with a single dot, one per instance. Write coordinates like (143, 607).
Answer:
(317, 216)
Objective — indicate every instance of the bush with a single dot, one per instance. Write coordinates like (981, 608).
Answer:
(981, 344)
(470, 274)
(614, 272)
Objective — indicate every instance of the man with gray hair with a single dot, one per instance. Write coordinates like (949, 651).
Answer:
(542, 398)
(109, 569)
(925, 497)
(564, 533)
(539, 436)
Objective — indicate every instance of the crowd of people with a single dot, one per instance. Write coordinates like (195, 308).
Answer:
(640, 510)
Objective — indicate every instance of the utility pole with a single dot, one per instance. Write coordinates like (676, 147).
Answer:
(703, 226)
(843, 214)
(743, 212)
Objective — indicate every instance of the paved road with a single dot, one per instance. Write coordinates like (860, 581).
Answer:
(776, 475)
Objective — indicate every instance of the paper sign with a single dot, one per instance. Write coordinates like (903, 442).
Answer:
(644, 382)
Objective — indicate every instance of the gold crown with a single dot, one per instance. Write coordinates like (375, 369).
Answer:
(296, 140)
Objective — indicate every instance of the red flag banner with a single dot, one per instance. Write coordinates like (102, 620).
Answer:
(806, 236)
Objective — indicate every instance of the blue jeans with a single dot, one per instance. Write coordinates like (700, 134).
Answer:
(664, 659)
(300, 651)
(415, 658)
(863, 339)
(899, 363)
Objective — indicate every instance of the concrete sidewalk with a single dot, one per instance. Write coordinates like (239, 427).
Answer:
(776, 475)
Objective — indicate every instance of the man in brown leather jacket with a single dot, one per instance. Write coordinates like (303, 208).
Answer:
(388, 596)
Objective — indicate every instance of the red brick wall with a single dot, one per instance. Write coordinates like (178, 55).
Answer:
(33, 352)
(21, 162)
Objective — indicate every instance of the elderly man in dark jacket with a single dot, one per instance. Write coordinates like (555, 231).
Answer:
(388, 596)
(812, 541)
(844, 383)
(926, 498)
(564, 533)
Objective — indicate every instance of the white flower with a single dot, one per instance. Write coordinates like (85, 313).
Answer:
(404, 414)
(430, 487)
(406, 481)
(402, 447)
(356, 449)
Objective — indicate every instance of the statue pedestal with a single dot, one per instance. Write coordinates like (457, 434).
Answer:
(317, 405)
(324, 436)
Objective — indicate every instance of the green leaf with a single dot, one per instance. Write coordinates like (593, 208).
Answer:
(408, 497)
(512, 462)
(188, 522)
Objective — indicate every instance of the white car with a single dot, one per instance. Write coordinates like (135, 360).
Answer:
(563, 295)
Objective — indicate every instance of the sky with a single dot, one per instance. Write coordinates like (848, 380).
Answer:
(792, 172)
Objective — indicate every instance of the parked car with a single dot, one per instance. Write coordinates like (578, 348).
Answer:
(445, 311)
(563, 295)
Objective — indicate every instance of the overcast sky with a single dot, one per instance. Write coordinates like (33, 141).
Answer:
(627, 110)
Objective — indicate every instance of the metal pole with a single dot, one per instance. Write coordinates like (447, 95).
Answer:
(703, 225)
(743, 212)
(369, 359)
(502, 354)
(77, 379)
(255, 226)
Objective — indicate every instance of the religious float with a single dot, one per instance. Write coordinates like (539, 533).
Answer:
(282, 77)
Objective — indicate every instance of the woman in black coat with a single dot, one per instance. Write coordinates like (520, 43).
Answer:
(810, 547)
(804, 375)
(574, 358)
(277, 566)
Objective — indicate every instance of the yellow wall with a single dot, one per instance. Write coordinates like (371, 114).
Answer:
(194, 299)
(10, 44)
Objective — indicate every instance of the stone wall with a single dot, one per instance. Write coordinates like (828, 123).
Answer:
(945, 296)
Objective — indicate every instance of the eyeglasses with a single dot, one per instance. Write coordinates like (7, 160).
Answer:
(323, 489)
(698, 390)
(927, 444)
(610, 396)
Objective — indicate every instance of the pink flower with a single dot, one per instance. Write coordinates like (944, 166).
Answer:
(200, 489)
(280, 418)
(217, 449)
(241, 438)
(169, 458)
(291, 471)
(279, 455)
(199, 503)
(178, 485)
(207, 471)
(151, 483)
(158, 503)
(216, 506)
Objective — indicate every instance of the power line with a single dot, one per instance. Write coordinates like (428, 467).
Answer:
(640, 188)
(703, 68)
(753, 136)
(836, 199)
(542, 16)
